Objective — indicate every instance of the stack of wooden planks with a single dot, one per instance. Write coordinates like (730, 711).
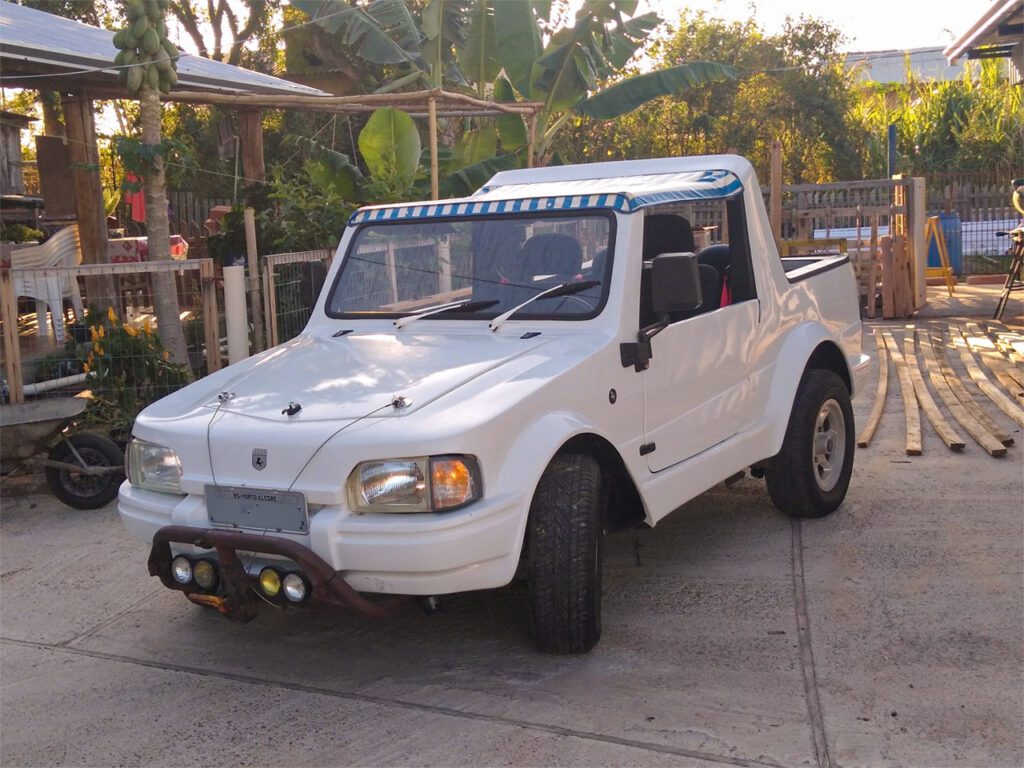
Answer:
(928, 351)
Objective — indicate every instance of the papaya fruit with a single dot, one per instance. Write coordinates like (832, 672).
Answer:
(119, 39)
(139, 27)
(172, 51)
(150, 42)
(153, 77)
(134, 81)
(153, 10)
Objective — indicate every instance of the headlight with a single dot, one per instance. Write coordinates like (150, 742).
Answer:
(422, 484)
(153, 467)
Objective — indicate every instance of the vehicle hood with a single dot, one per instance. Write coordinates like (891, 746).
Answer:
(349, 377)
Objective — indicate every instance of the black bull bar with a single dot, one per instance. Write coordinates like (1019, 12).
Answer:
(240, 599)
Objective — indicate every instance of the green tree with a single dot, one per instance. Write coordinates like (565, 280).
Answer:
(794, 88)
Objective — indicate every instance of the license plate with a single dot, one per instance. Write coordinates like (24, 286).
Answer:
(257, 509)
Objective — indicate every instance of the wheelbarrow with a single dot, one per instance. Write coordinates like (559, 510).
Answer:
(83, 469)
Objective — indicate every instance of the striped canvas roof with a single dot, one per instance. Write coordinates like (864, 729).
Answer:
(625, 194)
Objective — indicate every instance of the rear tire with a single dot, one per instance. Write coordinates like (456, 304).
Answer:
(810, 475)
(79, 490)
(564, 568)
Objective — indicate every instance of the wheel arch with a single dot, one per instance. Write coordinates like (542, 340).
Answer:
(807, 347)
(625, 505)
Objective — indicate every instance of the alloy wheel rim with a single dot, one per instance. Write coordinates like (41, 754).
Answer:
(829, 445)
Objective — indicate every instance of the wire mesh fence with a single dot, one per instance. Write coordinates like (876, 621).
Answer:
(291, 284)
(128, 334)
(974, 208)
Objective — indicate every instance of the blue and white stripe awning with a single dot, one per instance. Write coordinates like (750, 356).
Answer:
(623, 194)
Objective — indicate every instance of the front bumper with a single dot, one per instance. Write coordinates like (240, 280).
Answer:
(423, 554)
(236, 591)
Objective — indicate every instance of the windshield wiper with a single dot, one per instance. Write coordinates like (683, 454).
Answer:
(468, 305)
(565, 289)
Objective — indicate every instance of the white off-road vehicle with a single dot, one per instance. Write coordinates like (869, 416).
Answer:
(488, 385)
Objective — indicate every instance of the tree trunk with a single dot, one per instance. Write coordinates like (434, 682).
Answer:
(165, 292)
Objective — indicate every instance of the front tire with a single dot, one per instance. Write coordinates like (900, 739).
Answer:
(566, 527)
(810, 475)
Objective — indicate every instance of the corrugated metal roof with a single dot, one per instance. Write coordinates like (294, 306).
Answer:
(891, 66)
(623, 193)
(34, 36)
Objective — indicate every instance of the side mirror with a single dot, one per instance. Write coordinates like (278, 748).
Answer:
(675, 283)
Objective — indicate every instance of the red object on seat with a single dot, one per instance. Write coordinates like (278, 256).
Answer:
(726, 294)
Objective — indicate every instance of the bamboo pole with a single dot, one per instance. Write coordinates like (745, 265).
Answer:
(255, 294)
(435, 192)
(371, 100)
(531, 140)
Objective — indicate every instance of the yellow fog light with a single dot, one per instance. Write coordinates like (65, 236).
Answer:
(270, 582)
(453, 482)
(205, 574)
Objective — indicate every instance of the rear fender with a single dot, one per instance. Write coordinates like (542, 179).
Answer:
(800, 346)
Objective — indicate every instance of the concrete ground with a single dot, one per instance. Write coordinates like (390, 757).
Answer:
(889, 633)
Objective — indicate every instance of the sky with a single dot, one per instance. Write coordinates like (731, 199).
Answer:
(870, 25)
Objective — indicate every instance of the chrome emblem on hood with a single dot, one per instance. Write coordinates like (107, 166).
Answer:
(259, 458)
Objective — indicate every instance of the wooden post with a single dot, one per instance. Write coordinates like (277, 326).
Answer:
(888, 271)
(916, 218)
(270, 303)
(255, 294)
(873, 267)
(9, 312)
(432, 131)
(389, 262)
(211, 319)
(775, 199)
(250, 133)
(88, 191)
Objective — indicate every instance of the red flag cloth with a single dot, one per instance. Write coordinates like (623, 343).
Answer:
(137, 200)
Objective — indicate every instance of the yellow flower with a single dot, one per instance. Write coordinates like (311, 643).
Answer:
(96, 348)
(167, 355)
(101, 332)
(131, 331)
(93, 335)
(90, 359)
(147, 327)
(112, 315)
(85, 367)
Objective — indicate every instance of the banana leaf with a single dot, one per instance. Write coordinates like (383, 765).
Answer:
(627, 95)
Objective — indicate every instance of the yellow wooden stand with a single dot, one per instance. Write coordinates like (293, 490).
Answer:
(932, 229)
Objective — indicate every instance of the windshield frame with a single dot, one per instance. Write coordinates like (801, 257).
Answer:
(605, 281)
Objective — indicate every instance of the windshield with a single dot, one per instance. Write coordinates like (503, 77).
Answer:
(399, 269)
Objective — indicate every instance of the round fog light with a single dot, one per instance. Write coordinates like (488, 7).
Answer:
(181, 570)
(294, 587)
(205, 574)
(270, 582)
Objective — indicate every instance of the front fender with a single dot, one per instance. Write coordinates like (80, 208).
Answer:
(532, 451)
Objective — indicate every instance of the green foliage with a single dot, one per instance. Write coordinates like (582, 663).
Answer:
(19, 233)
(138, 157)
(390, 146)
(305, 214)
(127, 368)
(975, 123)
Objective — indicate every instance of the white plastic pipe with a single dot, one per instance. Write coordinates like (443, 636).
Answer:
(237, 317)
